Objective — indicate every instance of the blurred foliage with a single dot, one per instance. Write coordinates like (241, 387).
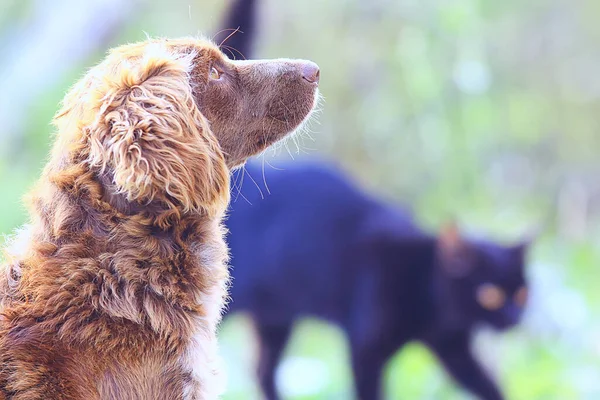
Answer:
(478, 110)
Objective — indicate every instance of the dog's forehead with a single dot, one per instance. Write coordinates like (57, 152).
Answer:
(200, 45)
(203, 47)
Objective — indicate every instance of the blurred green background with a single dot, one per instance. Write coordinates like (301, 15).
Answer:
(482, 111)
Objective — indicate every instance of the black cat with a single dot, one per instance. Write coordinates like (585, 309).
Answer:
(325, 249)
(316, 246)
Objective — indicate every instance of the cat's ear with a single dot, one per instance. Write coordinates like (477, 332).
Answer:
(523, 246)
(453, 251)
(449, 239)
(521, 249)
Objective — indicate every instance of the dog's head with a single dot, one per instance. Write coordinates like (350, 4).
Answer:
(165, 120)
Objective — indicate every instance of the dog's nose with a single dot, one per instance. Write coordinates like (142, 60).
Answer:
(310, 72)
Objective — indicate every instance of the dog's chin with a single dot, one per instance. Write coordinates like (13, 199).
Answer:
(272, 138)
(309, 115)
(261, 146)
(297, 127)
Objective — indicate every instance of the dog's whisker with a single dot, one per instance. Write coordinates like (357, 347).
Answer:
(244, 172)
(236, 30)
(264, 176)
(245, 198)
(262, 196)
(295, 140)
(288, 149)
(236, 184)
(232, 49)
(214, 36)
(274, 167)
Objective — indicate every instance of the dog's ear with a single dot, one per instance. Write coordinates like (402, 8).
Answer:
(151, 137)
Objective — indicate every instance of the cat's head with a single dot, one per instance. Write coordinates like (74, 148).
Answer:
(484, 281)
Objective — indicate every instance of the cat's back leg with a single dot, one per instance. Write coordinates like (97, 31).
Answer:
(272, 339)
(367, 367)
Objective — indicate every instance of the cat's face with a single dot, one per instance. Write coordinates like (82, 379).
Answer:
(487, 281)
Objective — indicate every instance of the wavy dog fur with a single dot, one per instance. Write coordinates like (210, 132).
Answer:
(115, 287)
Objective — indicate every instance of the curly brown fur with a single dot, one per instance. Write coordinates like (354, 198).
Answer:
(118, 285)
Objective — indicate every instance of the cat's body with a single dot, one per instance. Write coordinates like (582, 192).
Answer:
(317, 246)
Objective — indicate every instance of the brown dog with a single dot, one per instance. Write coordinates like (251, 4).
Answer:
(115, 288)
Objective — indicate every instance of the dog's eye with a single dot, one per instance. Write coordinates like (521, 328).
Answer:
(214, 74)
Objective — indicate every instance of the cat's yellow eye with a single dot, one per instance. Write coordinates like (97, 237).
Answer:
(520, 296)
(490, 297)
(214, 74)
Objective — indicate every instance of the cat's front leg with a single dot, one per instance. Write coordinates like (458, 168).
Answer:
(455, 353)
(367, 365)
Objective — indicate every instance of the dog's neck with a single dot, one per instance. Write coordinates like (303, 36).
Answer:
(157, 210)
(105, 215)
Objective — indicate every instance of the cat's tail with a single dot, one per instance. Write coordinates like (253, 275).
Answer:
(238, 30)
